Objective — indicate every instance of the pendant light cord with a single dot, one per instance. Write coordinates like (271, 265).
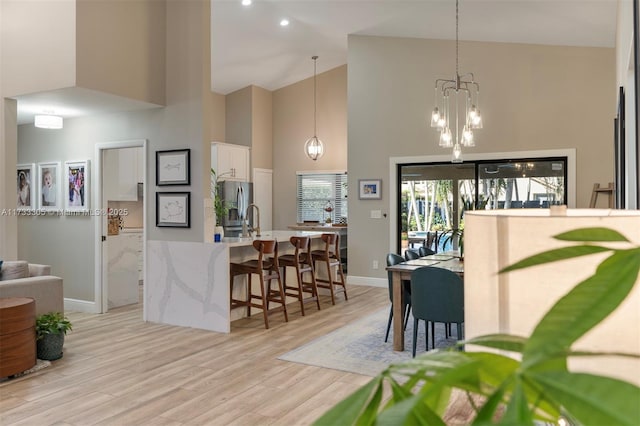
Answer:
(315, 61)
(457, 72)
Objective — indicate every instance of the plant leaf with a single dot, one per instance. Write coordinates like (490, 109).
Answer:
(506, 342)
(412, 411)
(554, 256)
(347, 411)
(592, 234)
(368, 416)
(518, 411)
(592, 400)
(583, 307)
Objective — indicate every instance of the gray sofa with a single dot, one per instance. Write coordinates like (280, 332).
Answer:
(22, 279)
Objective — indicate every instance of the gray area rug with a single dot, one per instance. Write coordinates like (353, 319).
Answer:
(359, 347)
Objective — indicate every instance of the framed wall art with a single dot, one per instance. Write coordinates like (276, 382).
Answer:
(370, 189)
(77, 185)
(173, 167)
(173, 209)
(50, 185)
(25, 186)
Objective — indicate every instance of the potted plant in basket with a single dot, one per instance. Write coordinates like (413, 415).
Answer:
(50, 331)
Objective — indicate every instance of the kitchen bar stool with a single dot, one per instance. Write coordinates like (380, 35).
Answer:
(330, 256)
(301, 261)
(267, 270)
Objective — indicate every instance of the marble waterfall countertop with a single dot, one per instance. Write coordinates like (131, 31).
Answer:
(187, 283)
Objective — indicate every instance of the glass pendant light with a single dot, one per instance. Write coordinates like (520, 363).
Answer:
(314, 148)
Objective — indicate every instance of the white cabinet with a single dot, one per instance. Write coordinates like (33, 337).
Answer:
(121, 173)
(231, 162)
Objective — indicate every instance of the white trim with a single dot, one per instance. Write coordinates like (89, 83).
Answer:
(81, 306)
(570, 153)
(100, 291)
(367, 281)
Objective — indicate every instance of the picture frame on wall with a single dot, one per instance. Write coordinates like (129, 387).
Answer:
(173, 209)
(173, 167)
(25, 186)
(77, 184)
(370, 189)
(50, 186)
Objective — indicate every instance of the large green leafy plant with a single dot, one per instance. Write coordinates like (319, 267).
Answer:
(539, 386)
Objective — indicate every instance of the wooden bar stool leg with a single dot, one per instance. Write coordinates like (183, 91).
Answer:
(300, 292)
(330, 274)
(248, 295)
(344, 282)
(265, 302)
(314, 286)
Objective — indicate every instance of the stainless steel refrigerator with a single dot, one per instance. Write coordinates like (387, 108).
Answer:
(237, 196)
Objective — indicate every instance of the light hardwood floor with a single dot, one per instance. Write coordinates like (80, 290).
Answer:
(119, 370)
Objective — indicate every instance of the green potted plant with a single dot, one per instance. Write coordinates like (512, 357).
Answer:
(50, 331)
(536, 386)
(219, 205)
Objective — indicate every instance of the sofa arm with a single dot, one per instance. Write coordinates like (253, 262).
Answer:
(36, 270)
(46, 290)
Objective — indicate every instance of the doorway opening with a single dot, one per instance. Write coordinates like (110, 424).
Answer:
(121, 230)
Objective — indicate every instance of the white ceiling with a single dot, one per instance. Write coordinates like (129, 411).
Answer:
(249, 47)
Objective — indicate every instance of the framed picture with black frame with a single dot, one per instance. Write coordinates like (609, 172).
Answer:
(173, 167)
(173, 209)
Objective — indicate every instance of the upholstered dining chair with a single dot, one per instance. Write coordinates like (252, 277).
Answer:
(423, 251)
(411, 254)
(437, 295)
(394, 259)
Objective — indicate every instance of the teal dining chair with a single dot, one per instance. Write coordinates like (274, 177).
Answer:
(423, 251)
(411, 254)
(394, 259)
(437, 295)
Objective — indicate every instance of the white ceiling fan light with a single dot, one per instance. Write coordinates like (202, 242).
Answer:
(48, 121)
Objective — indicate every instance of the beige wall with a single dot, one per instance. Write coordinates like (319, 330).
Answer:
(261, 128)
(293, 125)
(217, 117)
(121, 48)
(533, 98)
(37, 35)
(238, 117)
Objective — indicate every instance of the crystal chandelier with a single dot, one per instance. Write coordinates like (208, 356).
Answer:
(314, 147)
(450, 97)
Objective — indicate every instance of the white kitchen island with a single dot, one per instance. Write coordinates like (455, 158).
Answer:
(188, 282)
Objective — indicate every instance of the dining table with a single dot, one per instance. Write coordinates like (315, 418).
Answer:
(402, 271)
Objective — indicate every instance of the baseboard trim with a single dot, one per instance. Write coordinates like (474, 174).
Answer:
(80, 306)
(367, 281)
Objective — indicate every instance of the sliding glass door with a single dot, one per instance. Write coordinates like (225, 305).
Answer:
(434, 196)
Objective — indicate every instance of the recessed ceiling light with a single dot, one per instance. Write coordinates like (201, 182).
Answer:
(246, 2)
(284, 22)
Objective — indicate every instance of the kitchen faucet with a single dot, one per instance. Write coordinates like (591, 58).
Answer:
(244, 223)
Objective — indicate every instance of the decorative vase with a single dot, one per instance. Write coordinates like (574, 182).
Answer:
(49, 347)
(219, 230)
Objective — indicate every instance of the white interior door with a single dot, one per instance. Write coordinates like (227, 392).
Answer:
(263, 196)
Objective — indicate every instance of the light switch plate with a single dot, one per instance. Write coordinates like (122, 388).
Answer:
(376, 214)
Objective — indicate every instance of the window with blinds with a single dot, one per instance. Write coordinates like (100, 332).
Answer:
(315, 190)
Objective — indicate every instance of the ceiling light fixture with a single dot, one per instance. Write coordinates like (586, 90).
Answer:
(284, 22)
(48, 121)
(246, 2)
(314, 148)
(442, 112)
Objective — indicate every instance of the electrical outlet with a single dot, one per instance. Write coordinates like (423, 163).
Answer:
(375, 264)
